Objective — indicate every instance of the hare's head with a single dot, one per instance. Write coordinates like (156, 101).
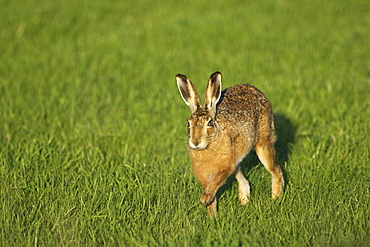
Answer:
(202, 124)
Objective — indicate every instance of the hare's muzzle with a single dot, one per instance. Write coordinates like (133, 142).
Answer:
(197, 145)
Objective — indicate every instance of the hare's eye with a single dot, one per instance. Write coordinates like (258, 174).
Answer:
(188, 123)
(210, 122)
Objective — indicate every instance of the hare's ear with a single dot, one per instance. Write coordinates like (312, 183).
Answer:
(213, 92)
(188, 92)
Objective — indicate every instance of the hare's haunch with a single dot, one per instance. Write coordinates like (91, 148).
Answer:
(223, 131)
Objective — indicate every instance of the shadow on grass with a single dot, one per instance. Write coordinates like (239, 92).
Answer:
(285, 132)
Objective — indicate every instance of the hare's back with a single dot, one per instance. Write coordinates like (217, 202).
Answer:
(242, 100)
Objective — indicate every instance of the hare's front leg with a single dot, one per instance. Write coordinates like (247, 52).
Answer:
(209, 193)
(244, 189)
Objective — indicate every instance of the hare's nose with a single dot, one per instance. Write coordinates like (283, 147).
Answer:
(197, 145)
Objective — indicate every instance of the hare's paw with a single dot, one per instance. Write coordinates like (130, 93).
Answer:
(277, 186)
(243, 197)
(207, 198)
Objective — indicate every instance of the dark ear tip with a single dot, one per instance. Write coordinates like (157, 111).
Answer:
(215, 75)
(181, 76)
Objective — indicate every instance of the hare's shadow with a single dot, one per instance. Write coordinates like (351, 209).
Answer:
(285, 132)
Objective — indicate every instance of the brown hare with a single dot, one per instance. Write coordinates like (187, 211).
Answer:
(223, 131)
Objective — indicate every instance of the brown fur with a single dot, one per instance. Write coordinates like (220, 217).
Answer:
(224, 131)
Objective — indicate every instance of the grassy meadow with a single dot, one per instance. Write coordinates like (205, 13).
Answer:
(93, 147)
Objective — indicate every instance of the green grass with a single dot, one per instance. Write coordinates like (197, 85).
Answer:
(93, 129)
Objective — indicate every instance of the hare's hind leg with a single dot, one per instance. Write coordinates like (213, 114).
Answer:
(243, 186)
(266, 154)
